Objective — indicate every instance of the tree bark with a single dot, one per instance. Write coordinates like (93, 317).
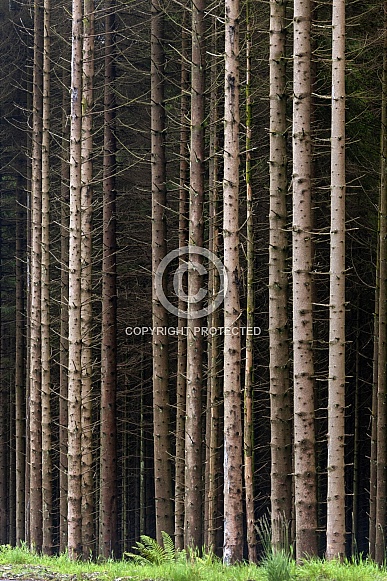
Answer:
(47, 498)
(248, 424)
(75, 339)
(336, 378)
(4, 423)
(161, 409)
(64, 298)
(213, 530)
(35, 426)
(20, 395)
(181, 383)
(381, 446)
(193, 426)
(88, 534)
(303, 365)
(280, 393)
(108, 505)
(233, 502)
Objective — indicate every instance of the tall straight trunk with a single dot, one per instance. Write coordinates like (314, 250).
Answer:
(381, 426)
(182, 340)
(142, 456)
(3, 423)
(64, 296)
(280, 394)
(356, 443)
(74, 306)
(28, 319)
(45, 295)
(161, 409)
(233, 501)
(374, 408)
(108, 462)
(193, 427)
(20, 401)
(35, 428)
(303, 365)
(88, 536)
(248, 424)
(214, 462)
(11, 534)
(336, 378)
(374, 416)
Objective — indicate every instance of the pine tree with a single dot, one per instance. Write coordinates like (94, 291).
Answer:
(108, 454)
(233, 505)
(35, 425)
(336, 378)
(194, 392)
(88, 534)
(161, 409)
(47, 492)
(303, 364)
(280, 394)
(74, 306)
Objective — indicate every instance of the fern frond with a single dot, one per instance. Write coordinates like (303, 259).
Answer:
(169, 547)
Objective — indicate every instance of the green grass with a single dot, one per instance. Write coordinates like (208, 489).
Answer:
(20, 563)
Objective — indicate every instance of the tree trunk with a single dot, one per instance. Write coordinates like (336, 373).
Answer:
(75, 341)
(88, 535)
(161, 410)
(35, 435)
(108, 464)
(381, 446)
(20, 395)
(45, 294)
(213, 538)
(233, 502)
(28, 322)
(356, 443)
(336, 379)
(248, 424)
(193, 425)
(182, 340)
(280, 394)
(304, 431)
(63, 354)
(3, 423)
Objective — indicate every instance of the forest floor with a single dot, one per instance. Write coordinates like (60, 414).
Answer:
(19, 564)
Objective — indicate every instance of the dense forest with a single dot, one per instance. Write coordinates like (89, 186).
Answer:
(193, 275)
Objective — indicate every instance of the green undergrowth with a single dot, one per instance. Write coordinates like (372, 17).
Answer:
(22, 564)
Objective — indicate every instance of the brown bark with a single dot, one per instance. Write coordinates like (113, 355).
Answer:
(248, 424)
(108, 466)
(280, 394)
(213, 532)
(20, 396)
(336, 378)
(233, 504)
(381, 422)
(28, 322)
(88, 535)
(63, 354)
(161, 409)
(193, 425)
(35, 427)
(182, 340)
(47, 500)
(75, 365)
(4, 422)
(303, 366)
